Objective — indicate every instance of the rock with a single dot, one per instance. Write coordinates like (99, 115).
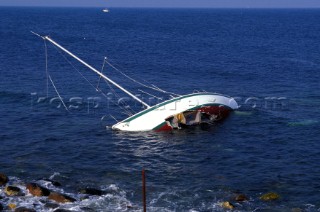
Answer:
(132, 207)
(51, 205)
(23, 209)
(270, 196)
(37, 190)
(12, 191)
(296, 210)
(12, 206)
(92, 191)
(62, 210)
(241, 198)
(227, 205)
(3, 179)
(1, 207)
(60, 198)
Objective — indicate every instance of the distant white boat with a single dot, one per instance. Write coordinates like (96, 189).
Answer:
(105, 10)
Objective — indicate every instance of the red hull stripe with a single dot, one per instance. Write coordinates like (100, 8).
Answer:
(162, 127)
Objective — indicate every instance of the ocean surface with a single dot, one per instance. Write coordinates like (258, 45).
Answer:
(268, 60)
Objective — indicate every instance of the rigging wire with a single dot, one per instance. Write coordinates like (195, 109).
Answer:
(58, 94)
(47, 74)
(153, 87)
(104, 62)
(74, 66)
(125, 107)
(149, 94)
(49, 77)
(97, 89)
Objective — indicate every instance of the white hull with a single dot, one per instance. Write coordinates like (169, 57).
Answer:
(151, 118)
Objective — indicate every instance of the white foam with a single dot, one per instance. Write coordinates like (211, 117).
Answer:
(114, 200)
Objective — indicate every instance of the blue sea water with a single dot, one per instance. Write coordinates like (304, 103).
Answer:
(269, 60)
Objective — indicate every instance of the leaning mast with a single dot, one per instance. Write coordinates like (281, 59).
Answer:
(94, 70)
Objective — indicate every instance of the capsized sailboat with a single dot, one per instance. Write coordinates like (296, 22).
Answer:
(176, 113)
(186, 110)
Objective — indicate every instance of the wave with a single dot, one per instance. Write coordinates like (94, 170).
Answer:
(306, 122)
(114, 199)
(301, 61)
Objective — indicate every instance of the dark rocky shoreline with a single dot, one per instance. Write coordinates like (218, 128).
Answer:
(51, 198)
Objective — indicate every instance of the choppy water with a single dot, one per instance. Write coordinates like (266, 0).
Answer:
(253, 55)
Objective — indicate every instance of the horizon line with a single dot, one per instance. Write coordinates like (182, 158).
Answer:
(162, 7)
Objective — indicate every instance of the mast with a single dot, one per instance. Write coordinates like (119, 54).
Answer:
(95, 70)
